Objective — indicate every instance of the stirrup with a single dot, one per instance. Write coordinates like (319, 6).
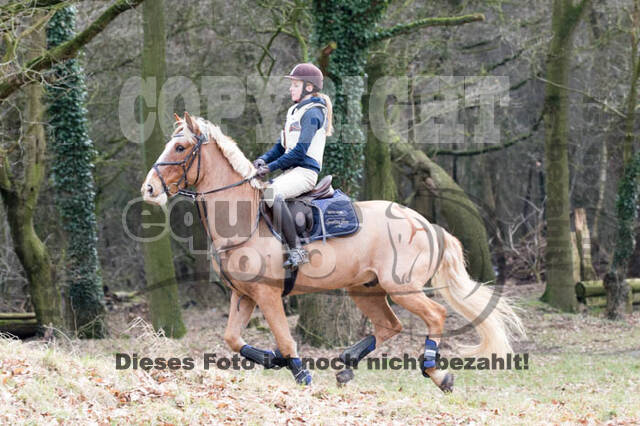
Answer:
(297, 256)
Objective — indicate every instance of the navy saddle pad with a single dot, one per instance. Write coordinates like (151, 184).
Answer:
(333, 217)
(329, 217)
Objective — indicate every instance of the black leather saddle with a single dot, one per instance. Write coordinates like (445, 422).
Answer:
(300, 207)
(323, 189)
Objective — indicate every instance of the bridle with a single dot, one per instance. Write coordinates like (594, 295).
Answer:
(186, 165)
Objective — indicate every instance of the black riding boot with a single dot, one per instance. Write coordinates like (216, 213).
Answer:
(285, 223)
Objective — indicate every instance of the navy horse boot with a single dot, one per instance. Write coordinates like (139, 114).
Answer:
(268, 359)
(352, 356)
(429, 360)
(273, 359)
(302, 375)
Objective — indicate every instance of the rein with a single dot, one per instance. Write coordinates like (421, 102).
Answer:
(194, 194)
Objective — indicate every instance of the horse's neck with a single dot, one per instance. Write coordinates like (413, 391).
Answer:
(237, 207)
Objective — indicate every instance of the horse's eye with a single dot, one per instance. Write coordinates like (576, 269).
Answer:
(179, 148)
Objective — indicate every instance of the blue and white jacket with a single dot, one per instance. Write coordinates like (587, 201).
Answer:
(301, 142)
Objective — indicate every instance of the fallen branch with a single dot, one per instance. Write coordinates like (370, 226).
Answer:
(20, 324)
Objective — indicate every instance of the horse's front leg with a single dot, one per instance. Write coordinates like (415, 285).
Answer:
(270, 303)
(240, 310)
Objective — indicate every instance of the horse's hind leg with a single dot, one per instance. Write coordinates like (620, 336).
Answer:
(373, 304)
(433, 314)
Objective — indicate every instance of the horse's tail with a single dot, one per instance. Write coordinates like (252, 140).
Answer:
(490, 313)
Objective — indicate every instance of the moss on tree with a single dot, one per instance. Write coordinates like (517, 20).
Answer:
(460, 213)
(162, 288)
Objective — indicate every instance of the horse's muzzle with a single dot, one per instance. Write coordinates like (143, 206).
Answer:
(152, 191)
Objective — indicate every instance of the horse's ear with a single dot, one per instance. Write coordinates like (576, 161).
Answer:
(191, 124)
(176, 116)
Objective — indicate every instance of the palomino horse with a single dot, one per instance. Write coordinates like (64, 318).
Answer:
(393, 242)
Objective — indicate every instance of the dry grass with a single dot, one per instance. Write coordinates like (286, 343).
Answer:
(583, 369)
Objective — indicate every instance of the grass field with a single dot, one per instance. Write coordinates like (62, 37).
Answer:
(582, 369)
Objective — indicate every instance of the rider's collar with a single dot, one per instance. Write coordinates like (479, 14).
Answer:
(313, 99)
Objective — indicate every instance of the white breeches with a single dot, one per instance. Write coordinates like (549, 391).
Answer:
(291, 183)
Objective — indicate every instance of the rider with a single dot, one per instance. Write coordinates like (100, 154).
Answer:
(298, 152)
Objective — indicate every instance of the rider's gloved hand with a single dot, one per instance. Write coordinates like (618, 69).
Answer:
(259, 162)
(262, 171)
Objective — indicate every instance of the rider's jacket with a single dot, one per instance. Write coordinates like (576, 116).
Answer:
(301, 142)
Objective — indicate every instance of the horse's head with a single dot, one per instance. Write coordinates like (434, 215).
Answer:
(179, 164)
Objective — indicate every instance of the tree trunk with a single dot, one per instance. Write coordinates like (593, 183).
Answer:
(500, 228)
(615, 283)
(72, 175)
(379, 181)
(162, 288)
(634, 263)
(583, 242)
(33, 254)
(617, 295)
(602, 187)
(558, 257)
(599, 24)
(595, 288)
(345, 25)
(22, 325)
(20, 198)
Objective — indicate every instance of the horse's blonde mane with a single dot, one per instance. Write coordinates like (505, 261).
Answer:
(229, 148)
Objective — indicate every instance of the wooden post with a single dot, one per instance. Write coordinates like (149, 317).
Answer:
(575, 257)
(583, 241)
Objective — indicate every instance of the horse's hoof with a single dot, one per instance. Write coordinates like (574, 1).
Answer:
(446, 385)
(304, 378)
(345, 376)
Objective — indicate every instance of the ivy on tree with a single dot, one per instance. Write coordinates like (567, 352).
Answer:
(72, 175)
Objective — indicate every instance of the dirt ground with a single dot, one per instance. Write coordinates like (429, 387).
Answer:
(208, 325)
(582, 369)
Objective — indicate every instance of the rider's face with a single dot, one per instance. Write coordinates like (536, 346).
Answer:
(295, 89)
